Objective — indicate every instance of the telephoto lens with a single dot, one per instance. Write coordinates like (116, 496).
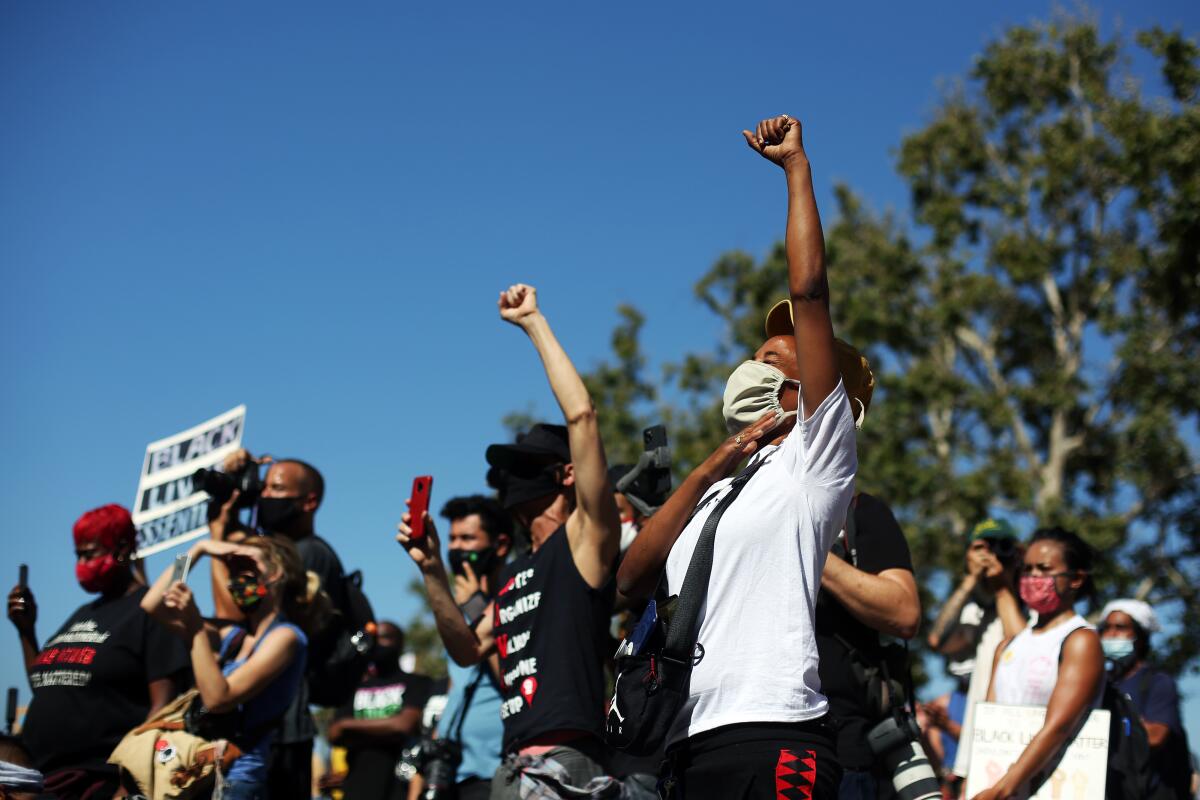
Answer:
(896, 742)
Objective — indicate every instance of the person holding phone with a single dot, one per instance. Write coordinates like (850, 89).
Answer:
(549, 620)
(257, 668)
(754, 723)
(107, 668)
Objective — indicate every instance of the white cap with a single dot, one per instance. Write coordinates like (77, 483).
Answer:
(1139, 610)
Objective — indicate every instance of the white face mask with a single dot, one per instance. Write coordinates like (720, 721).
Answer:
(751, 391)
(629, 532)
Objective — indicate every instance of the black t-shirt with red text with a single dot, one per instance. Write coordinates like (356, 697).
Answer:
(91, 682)
(551, 631)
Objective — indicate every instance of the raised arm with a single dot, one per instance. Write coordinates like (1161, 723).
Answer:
(779, 140)
(465, 645)
(594, 529)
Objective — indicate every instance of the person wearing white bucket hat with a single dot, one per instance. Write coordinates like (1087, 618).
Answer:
(1125, 628)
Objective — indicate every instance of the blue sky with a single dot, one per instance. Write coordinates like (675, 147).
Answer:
(310, 209)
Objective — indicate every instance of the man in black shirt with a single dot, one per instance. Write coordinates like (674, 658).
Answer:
(549, 619)
(867, 588)
(380, 721)
(292, 493)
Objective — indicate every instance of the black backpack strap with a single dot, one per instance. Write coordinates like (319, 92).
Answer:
(685, 621)
(454, 729)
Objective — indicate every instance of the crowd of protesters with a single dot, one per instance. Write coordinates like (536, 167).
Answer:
(794, 593)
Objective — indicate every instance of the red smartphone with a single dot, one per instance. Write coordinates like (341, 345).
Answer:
(418, 504)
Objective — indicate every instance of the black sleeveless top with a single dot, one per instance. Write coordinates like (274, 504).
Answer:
(550, 630)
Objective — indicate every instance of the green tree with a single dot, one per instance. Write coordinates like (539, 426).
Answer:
(1033, 328)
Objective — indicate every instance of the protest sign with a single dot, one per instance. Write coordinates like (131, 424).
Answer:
(166, 511)
(1001, 734)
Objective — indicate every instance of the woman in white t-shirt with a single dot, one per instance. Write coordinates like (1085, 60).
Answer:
(1056, 662)
(753, 724)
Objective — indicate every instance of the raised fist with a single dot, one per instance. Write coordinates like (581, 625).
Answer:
(518, 303)
(777, 139)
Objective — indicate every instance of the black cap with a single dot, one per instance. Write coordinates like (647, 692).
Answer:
(543, 445)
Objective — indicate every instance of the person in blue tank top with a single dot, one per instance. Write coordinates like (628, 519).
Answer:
(256, 669)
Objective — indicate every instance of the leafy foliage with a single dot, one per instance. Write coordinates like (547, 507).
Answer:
(1033, 330)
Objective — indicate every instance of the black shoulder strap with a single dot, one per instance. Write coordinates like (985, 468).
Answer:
(454, 729)
(852, 531)
(685, 621)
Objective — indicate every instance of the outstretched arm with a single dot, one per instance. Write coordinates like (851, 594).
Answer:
(465, 645)
(594, 529)
(779, 140)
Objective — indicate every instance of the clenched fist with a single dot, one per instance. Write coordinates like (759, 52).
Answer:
(518, 303)
(777, 139)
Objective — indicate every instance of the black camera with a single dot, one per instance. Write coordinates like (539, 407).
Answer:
(896, 741)
(648, 482)
(436, 760)
(1003, 548)
(220, 485)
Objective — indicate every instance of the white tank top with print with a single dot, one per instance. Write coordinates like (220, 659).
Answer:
(1028, 668)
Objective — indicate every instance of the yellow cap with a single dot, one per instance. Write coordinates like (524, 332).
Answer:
(856, 372)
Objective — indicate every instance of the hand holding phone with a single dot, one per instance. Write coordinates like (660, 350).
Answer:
(418, 505)
(183, 564)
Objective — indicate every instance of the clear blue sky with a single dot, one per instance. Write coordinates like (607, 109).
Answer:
(309, 208)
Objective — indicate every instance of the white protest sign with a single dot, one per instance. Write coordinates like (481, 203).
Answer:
(1001, 734)
(166, 511)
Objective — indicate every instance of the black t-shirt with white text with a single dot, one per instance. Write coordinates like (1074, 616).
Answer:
(880, 545)
(91, 682)
(372, 767)
(551, 631)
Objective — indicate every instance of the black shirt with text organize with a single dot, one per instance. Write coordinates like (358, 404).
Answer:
(550, 628)
(90, 682)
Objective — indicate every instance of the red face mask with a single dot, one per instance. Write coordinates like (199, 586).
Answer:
(1040, 593)
(97, 575)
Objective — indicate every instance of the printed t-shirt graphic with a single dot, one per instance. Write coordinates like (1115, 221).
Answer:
(90, 682)
(549, 626)
(372, 767)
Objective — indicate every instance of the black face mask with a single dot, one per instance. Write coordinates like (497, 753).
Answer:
(385, 659)
(278, 514)
(481, 561)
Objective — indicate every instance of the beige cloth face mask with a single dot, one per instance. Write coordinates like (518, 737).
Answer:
(752, 391)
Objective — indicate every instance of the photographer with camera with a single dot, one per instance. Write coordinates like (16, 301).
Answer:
(983, 610)
(753, 722)
(285, 502)
(380, 721)
(868, 589)
(549, 619)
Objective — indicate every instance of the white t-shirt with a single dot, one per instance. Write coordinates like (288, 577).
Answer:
(756, 626)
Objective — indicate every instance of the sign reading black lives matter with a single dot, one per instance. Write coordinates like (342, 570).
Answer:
(166, 511)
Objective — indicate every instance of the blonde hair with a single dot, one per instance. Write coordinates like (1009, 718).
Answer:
(304, 601)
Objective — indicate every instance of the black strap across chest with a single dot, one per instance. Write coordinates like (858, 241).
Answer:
(685, 621)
